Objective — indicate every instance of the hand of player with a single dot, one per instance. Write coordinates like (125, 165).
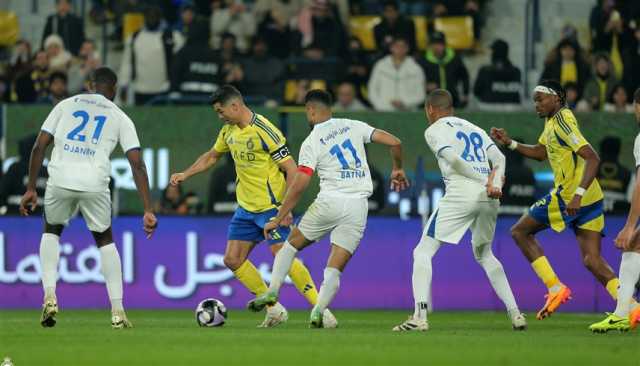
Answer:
(269, 227)
(28, 202)
(288, 220)
(623, 240)
(150, 223)
(399, 181)
(493, 192)
(574, 205)
(177, 178)
(500, 136)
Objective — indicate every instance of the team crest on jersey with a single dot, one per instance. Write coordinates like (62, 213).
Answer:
(250, 144)
(230, 140)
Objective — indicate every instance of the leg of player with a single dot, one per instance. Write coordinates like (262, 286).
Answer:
(421, 281)
(236, 259)
(49, 257)
(281, 266)
(523, 232)
(338, 259)
(112, 272)
(590, 243)
(498, 279)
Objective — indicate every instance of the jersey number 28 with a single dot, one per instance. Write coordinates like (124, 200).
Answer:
(473, 139)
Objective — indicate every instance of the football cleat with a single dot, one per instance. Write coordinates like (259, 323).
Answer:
(412, 325)
(634, 318)
(262, 301)
(119, 320)
(329, 320)
(554, 300)
(276, 315)
(611, 322)
(315, 320)
(519, 322)
(49, 311)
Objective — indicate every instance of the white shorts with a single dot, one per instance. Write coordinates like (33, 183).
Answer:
(345, 218)
(60, 205)
(451, 220)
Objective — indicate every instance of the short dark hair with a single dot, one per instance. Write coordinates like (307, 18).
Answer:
(225, 94)
(104, 75)
(391, 3)
(636, 96)
(440, 98)
(556, 87)
(318, 96)
(58, 75)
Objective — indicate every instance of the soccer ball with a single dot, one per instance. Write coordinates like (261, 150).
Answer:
(211, 313)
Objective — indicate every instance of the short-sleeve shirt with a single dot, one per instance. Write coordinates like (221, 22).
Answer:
(335, 150)
(86, 129)
(256, 151)
(562, 139)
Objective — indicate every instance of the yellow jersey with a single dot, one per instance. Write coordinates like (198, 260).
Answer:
(256, 151)
(562, 139)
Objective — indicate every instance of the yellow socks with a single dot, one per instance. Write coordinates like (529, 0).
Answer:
(543, 269)
(302, 280)
(249, 276)
(612, 288)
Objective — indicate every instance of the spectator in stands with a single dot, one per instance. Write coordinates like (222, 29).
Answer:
(573, 98)
(20, 58)
(397, 81)
(607, 28)
(173, 201)
(233, 17)
(57, 89)
(320, 33)
(276, 32)
(196, 69)
(357, 66)
(612, 175)
(632, 73)
(263, 74)
(444, 69)
(32, 84)
(13, 183)
(618, 100)
(87, 61)
(286, 9)
(520, 185)
(190, 19)
(59, 58)
(229, 56)
(346, 99)
(222, 188)
(65, 24)
(499, 84)
(149, 79)
(394, 25)
(568, 65)
(601, 83)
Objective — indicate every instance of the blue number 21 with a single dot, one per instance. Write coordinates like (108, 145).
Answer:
(473, 139)
(76, 133)
(335, 150)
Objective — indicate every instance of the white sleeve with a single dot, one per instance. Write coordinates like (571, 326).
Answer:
(308, 156)
(460, 166)
(636, 151)
(51, 123)
(128, 136)
(435, 142)
(373, 89)
(364, 130)
(498, 162)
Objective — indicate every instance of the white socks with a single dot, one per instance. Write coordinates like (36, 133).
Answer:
(422, 274)
(49, 257)
(629, 273)
(329, 288)
(493, 268)
(112, 272)
(282, 265)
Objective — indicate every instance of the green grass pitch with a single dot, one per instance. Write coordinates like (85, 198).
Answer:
(84, 337)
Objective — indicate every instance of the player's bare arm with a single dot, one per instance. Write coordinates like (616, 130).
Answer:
(30, 198)
(139, 170)
(536, 152)
(592, 161)
(398, 178)
(288, 167)
(623, 240)
(203, 163)
(291, 198)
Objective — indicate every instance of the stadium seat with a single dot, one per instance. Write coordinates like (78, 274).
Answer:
(131, 23)
(9, 28)
(361, 26)
(420, 23)
(291, 87)
(458, 30)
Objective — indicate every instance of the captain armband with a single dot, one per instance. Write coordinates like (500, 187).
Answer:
(280, 153)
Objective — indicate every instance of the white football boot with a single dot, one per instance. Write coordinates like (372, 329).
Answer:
(412, 325)
(329, 320)
(276, 315)
(119, 320)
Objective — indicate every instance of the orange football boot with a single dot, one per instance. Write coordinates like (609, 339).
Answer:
(554, 300)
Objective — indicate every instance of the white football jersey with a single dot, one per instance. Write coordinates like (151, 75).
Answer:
(636, 150)
(86, 129)
(335, 149)
(468, 141)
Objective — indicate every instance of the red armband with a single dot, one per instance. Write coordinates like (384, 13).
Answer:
(305, 170)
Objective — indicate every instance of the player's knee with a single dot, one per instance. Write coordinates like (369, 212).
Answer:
(420, 254)
(232, 262)
(590, 261)
(518, 234)
(482, 253)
